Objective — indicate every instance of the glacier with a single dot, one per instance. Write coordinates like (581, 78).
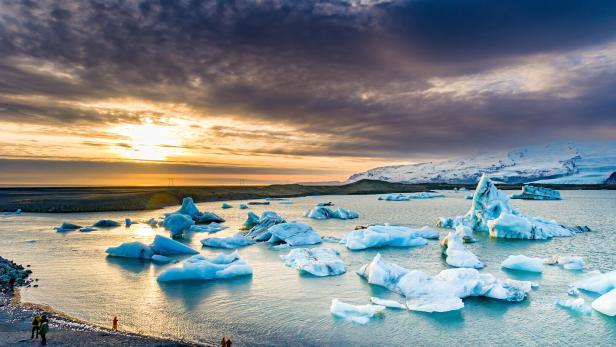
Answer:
(443, 292)
(537, 193)
(523, 263)
(355, 313)
(199, 267)
(553, 163)
(385, 236)
(316, 261)
(322, 213)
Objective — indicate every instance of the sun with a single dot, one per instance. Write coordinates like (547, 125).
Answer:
(149, 141)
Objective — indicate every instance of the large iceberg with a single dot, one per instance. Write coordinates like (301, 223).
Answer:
(490, 212)
(199, 267)
(235, 241)
(321, 212)
(260, 230)
(190, 209)
(177, 223)
(537, 193)
(606, 303)
(385, 235)
(457, 254)
(355, 313)
(443, 292)
(523, 263)
(317, 261)
(293, 234)
(161, 246)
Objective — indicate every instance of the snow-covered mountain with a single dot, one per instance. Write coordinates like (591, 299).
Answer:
(558, 163)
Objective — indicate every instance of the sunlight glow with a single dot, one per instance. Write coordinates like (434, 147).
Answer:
(149, 141)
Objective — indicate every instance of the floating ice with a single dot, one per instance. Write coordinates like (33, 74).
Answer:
(537, 193)
(106, 223)
(87, 229)
(66, 226)
(166, 246)
(577, 305)
(606, 303)
(461, 189)
(236, 241)
(356, 313)
(387, 303)
(294, 234)
(177, 223)
(470, 196)
(259, 203)
(321, 213)
(396, 197)
(457, 254)
(317, 261)
(490, 212)
(597, 282)
(251, 220)
(152, 222)
(128, 222)
(199, 267)
(286, 203)
(406, 197)
(131, 250)
(208, 228)
(573, 291)
(160, 258)
(190, 209)
(383, 236)
(243, 206)
(569, 262)
(17, 212)
(443, 292)
(328, 203)
(260, 230)
(225, 205)
(523, 263)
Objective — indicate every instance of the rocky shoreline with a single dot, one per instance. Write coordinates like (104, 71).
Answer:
(15, 319)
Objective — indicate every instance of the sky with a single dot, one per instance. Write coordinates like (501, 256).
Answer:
(259, 91)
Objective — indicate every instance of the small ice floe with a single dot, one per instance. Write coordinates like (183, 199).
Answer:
(537, 193)
(15, 213)
(235, 241)
(572, 291)
(259, 203)
(491, 213)
(225, 205)
(407, 197)
(177, 223)
(457, 254)
(470, 196)
(576, 305)
(161, 245)
(523, 263)
(317, 261)
(208, 228)
(160, 258)
(328, 203)
(199, 267)
(286, 203)
(597, 282)
(385, 236)
(387, 303)
(293, 234)
(606, 303)
(87, 229)
(189, 209)
(153, 222)
(66, 226)
(460, 190)
(166, 246)
(322, 213)
(274, 199)
(258, 228)
(355, 313)
(534, 285)
(243, 206)
(30, 241)
(569, 262)
(331, 239)
(128, 222)
(106, 223)
(252, 220)
(443, 292)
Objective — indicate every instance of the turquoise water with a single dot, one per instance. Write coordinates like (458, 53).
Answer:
(278, 306)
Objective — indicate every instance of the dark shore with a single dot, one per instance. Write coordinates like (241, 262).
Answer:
(102, 199)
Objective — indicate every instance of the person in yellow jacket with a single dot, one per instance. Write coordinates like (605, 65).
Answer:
(36, 322)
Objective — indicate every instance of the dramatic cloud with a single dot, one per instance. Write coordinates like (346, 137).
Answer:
(263, 82)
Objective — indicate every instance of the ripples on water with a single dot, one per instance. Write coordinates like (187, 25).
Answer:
(278, 306)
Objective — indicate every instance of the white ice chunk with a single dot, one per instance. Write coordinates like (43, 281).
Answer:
(385, 235)
(321, 213)
(225, 205)
(523, 263)
(235, 241)
(355, 313)
(177, 223)
(317, 261)
(188, 208)
(597, 282)
(577, 305)
(571, 262)
(260, 230)
(208, 228)
(457, 254)
(537, 193)
(166, 246)
(294, 234)
(606, 303)
(199, 267)
(131, 250)
(387, 303)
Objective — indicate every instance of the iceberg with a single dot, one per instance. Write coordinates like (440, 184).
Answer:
(355, 313)
(286, 203)
(160, 258)
(66, 226)
(199, 267)
(387, 303)
(597, 282)
(17, 212)
(396, 197)
(251, 220)
(576, 305)
(260, 231)
(443, 292)
(236, 241)
(569, 262)
(131, 250)
(470, 196)
(461, 189)
(293, 234)
(177, 223)
(606, 303)
(537, 193)
(317, 261)
(322, 213)
(106, 223)
(208, 228)
(166, 246)
(383, 236)
(243, 206)
(225, 205)
(573, 291)
(457, 254)
(189, 208)
(406, 197)
(490, 213)
(152, 222)
(259, 203)
(328, 203)
(87, 229)
(523, 263)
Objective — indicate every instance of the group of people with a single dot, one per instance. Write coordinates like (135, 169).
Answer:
(40, 327)
(226, 342)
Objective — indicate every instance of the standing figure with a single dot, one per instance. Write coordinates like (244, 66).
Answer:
(114, 325)
(36, 321)
(229, 343)
(43, 329)
(223, 342)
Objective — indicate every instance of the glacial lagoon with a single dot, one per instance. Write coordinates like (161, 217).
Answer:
(279, 306)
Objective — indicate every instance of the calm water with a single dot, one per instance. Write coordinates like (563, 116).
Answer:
(278, 306)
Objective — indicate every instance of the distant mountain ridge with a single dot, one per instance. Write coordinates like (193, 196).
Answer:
(553, 163)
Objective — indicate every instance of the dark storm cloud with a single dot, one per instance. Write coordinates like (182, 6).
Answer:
(324, 67)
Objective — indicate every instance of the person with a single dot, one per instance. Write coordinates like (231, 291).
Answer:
(114, 325)
(229, 343)
(43, 329)
(223, 342)
(36, 321)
